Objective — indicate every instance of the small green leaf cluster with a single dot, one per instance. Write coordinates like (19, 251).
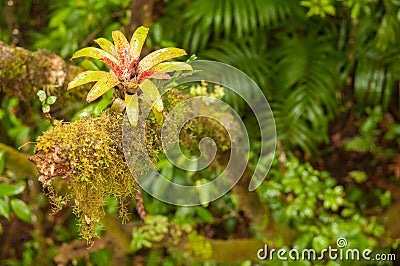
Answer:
(370, 133)
(155, 229)
(321, 210)
(46, 101)
(319, 7)
(205, 89)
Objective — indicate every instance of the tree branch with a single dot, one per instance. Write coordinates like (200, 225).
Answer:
(23, 73)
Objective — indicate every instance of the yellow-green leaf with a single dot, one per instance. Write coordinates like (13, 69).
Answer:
(95, 53)
(137, 41)
(150, 91)
(171, 66)
(159, 56)
(107, 46)
(132, 108)
(86, 77)
(103, 85)
(122, 47)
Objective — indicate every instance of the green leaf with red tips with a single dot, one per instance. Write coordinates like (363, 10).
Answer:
(122, 48)
(95, 53)
(137, 41)
(159, 56)
(151, 92)
(132, 108)
(171, 66)
(107, 46)
(86, 77)
(102, 86)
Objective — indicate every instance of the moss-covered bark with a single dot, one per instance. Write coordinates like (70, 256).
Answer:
(23, 73)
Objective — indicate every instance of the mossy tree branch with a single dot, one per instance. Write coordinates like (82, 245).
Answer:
(117, 237)
(23, 73)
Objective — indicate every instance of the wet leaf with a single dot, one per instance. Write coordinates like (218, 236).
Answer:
(171, 66)
(107, 46)
(86, 77)
(159, 56)
(151, 92)
(122, 48)
(21, 210)
(137, 41)
(103, 85)
(95, 53)
(132, 108)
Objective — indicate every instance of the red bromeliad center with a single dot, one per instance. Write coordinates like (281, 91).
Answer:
(127, 70)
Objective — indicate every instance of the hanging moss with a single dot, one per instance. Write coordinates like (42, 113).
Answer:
(83, 162)
(88, 155)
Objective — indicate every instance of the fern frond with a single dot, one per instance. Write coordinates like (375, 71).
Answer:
(228, 18)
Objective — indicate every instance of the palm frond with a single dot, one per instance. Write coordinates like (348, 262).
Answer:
(377, 61)
(228, 18)
(304, 85)
(376, 77)
(249, 55)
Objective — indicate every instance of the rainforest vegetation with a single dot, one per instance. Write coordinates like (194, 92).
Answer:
(330, 70)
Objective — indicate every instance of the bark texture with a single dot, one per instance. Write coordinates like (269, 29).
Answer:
(23, 73)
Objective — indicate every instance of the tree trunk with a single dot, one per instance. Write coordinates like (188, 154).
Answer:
(141, 15)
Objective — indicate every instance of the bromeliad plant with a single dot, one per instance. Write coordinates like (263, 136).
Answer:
(128, 73)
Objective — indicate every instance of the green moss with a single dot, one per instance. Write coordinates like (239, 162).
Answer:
(13, 69)
(198, 246)
(88, 153)
(23, 73)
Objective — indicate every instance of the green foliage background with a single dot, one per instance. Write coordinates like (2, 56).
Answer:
(324, 65)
